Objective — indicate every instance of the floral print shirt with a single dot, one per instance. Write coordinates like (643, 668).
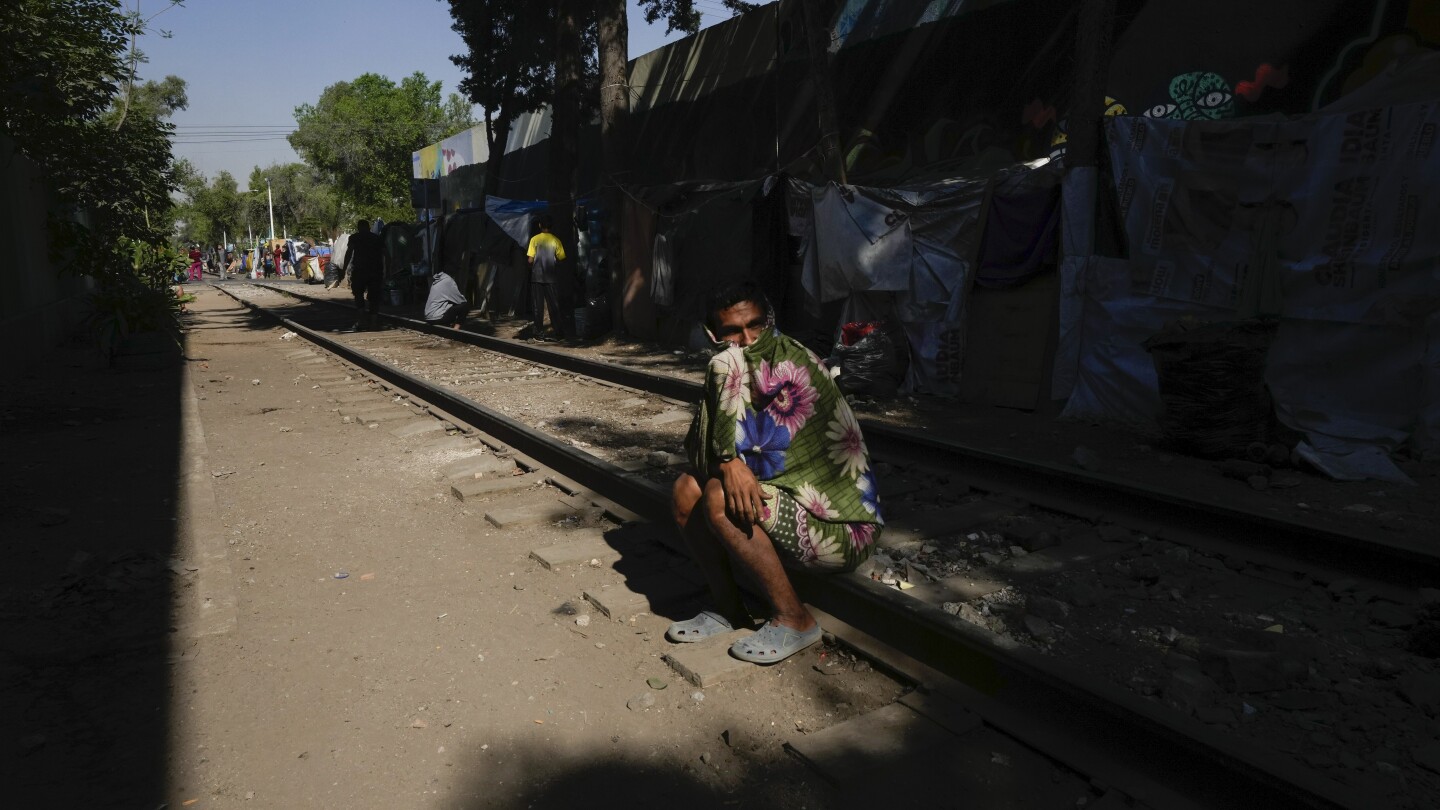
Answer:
(774, 405)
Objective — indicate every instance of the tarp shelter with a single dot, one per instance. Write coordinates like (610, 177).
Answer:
(915, 246)
(1321, 220)
(485, 261)
(690, 238)
(941, 100)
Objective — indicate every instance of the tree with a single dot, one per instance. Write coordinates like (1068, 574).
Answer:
(137, 25)
(60, 75)
(156, 99)
(681, 15)
(59, 82)
(211, 211)
(565, 123)
(509, 66)
(362, 133)
(514, 48)
(613, 34)
(305, 203)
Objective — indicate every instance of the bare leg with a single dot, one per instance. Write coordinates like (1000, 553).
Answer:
(754, 550)
(709, 554)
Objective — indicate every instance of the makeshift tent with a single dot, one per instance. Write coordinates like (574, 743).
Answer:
(916, 244)
(485, 261)
(1319, 220)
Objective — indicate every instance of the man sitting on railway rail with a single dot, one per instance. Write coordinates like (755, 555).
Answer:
(778, 468)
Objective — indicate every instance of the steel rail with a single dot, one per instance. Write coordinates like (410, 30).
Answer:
(1051, 486)
(1219, 770)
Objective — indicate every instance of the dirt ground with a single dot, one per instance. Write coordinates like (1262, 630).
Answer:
(444, 669)
(1339, 685)
(190, 644)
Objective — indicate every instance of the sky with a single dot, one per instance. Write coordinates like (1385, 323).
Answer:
(250, 63)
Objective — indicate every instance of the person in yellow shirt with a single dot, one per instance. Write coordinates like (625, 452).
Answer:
(545, 253)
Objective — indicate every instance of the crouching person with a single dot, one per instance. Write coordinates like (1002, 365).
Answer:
(779, 476)
(445, 304)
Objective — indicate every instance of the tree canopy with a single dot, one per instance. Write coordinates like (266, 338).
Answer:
(304, 202)
(60, 82)
(360, 135)
(211, 211)
(682, 15)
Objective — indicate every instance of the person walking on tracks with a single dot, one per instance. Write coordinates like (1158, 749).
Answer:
(545, 254)
(193, 273)
(365, 260)
(335, 271)
(779, 469)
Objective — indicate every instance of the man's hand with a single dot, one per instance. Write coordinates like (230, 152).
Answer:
(744, 500)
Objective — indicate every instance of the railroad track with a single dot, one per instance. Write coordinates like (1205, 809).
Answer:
(915, 611)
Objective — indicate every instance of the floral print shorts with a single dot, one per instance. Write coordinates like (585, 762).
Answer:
(815, 543)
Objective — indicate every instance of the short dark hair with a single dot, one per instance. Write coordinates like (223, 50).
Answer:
(544, 223)
(362, 224)
(729, 295)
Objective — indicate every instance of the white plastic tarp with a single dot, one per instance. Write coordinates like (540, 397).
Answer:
(916, 243)
(1321, 220)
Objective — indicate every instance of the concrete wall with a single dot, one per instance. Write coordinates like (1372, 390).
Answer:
(38, 307)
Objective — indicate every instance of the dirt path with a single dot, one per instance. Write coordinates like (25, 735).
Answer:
(443, 670)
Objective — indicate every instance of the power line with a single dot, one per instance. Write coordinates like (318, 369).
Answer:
(226, 140)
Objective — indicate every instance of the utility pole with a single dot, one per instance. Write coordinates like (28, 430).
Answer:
(270, 198)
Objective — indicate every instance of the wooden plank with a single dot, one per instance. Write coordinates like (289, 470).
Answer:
(943, 711)
(709, 662)
(576, 552)
(418, 427)
(880, 740)
(359, 395)
(486, 464)
(643, 594)
(481, 488)
(388, 414)
(1039, 732)
(670, 418)
(535, 513)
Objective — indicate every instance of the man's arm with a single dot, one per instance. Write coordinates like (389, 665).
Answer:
(744, 500)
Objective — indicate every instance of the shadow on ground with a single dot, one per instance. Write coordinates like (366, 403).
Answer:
(922, 767)
(88, 493)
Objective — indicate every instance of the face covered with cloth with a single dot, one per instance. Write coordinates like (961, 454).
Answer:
(771, 402)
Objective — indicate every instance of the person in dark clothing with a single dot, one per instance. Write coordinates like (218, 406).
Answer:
(365, 261)
(545, 254)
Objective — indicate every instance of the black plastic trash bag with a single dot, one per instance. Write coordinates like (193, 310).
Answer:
(866, 358)
(593, 320)
(1212, 386)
